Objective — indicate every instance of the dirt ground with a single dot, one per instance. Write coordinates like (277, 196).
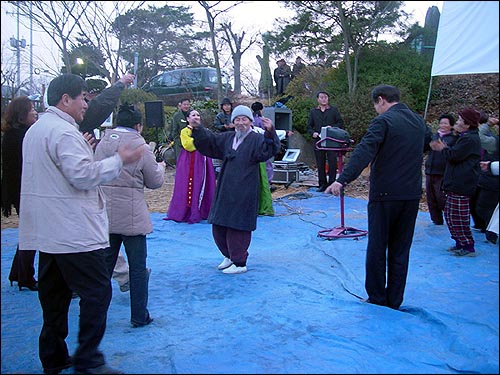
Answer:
(159, 199)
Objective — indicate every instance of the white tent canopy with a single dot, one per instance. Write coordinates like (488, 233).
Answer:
(467, 38)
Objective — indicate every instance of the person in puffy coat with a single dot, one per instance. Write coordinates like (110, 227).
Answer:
(435, 165)
(128, 213)
(460, 179)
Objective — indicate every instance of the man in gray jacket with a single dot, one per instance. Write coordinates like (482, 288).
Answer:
(63, 215)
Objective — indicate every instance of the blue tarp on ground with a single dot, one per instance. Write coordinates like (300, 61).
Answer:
(296, 310)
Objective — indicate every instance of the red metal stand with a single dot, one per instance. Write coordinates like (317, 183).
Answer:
(341, 231)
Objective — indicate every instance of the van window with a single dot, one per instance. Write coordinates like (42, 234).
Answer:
(212, 76)
(157, 81)
(171, 79)
(192, 78)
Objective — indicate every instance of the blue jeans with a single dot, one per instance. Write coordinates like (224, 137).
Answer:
(136, 249)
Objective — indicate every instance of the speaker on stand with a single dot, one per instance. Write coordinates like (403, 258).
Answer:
(155, 118)
(154, 114)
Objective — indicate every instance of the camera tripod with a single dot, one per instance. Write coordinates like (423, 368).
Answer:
(341, 231)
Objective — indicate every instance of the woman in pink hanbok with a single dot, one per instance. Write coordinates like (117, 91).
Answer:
(194, 185)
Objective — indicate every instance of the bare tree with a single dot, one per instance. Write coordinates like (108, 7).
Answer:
(235, 43)
(98, 30)
(212, 12)
(336, 31)
(58, 19)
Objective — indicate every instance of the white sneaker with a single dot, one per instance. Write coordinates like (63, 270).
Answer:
(225, 263)
(234, 269)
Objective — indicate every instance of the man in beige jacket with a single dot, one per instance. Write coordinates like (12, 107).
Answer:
(63, 215)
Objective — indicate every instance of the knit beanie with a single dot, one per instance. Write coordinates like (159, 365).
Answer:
(241, 110)
(128, 116)
(471, 116)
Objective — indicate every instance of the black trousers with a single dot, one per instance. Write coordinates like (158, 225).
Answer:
(58, 276)
(321, 157)
(23, 267)
(391, 225)
(483, 205)
(436, 198)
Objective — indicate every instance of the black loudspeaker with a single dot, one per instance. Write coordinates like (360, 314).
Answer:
(154, 114)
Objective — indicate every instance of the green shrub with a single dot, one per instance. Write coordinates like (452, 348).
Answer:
(381, 64)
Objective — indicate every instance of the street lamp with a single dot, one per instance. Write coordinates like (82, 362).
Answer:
(82, 67)
(37, 71)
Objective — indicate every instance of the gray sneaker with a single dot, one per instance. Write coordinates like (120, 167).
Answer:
(464, 253)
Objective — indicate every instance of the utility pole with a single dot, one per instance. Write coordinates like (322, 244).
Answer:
(18, 57)
(32, 88)
(18, 44)
(136, 61)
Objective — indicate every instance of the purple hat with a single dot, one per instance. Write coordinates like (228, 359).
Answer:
(470, 116)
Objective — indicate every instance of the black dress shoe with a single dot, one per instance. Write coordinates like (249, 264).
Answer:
(137, 325)
(33, 287)
(322, 188)
(57, 370)
(99, 370)
(491, 237)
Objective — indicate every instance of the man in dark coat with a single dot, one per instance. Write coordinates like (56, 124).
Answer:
(102, 104)
(297, 67)
(179, 122)
(233, 214)
(282, 76)
(324, 115)
(394, 145)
